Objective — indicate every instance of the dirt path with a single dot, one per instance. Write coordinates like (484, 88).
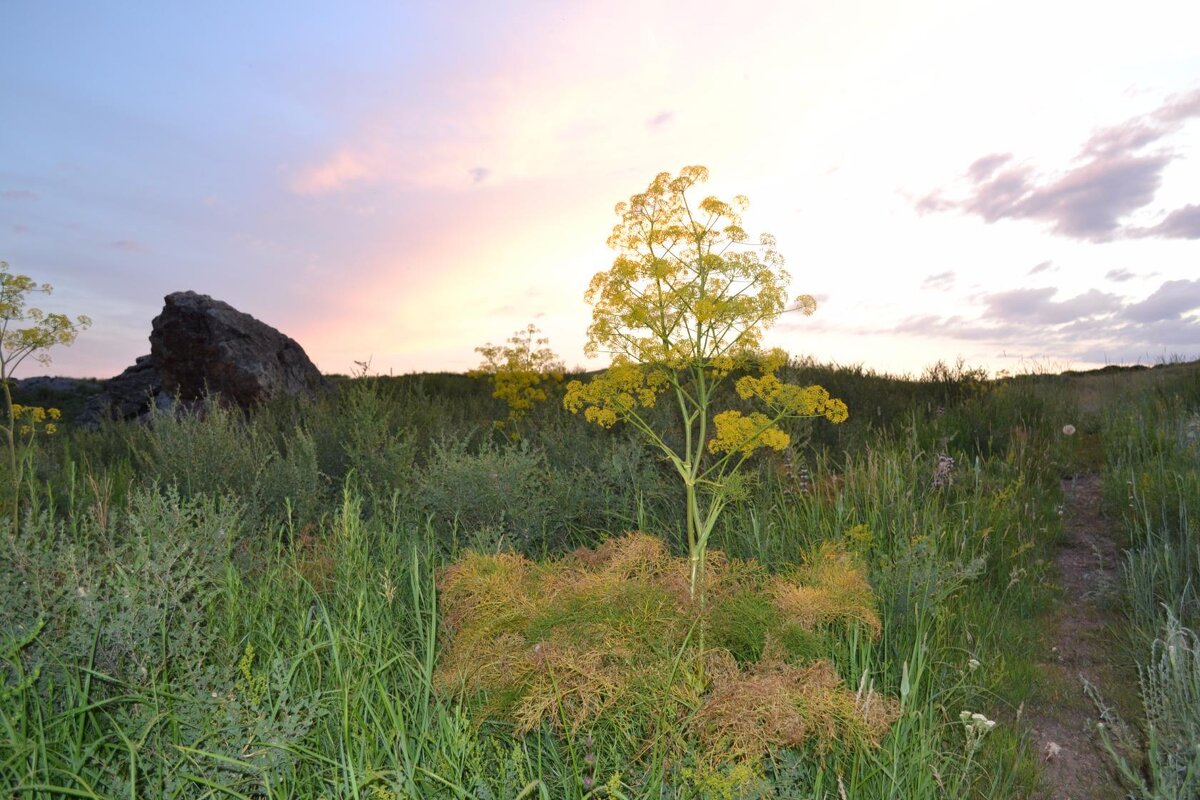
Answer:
(1062, 718)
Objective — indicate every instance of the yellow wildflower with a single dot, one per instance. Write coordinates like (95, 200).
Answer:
(736, 431)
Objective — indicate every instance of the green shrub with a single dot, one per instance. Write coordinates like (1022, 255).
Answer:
(501, 488)
(209, 453)
(291, 484)
(1170, 692)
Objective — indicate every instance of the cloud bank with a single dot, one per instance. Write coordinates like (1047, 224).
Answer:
(1117, 172)
(1093, 325)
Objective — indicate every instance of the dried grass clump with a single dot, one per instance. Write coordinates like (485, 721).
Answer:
(747, 712)
(571, 686)
(481, 593)
(632, 555)
(561, 643)
(602, 633)
(831, 587)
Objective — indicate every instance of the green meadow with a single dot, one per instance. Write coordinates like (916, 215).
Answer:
(381, 594)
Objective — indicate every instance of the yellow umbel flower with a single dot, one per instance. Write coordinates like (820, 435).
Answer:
(738, 432)
(520, 373)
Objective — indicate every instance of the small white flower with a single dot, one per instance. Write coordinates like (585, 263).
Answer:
(1068, 430)
(984, 723)
(977, 724)
(973, 664)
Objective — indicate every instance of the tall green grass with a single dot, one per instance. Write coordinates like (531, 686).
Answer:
(1152, 485)
(235, 606)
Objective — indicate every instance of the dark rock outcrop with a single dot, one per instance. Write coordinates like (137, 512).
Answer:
(128, 395)
(53, 384)
(200, 344)
(201, 347)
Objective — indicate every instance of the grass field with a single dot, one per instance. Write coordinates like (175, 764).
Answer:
(376, 595)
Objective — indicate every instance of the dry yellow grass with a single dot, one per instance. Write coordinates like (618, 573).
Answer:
(830, 587)
(749, 711)
(610, 632)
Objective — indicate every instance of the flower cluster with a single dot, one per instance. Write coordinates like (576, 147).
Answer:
(792, 400)
(520, 373)
(685, 304)
(977, 726)
(739, 432)
(943, 473)
(32, 419)
(687, 283)
(616, 393)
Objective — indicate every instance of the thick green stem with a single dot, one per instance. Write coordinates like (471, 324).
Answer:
(699, 527)
(697, 545)
(692, 537)
(11, 442)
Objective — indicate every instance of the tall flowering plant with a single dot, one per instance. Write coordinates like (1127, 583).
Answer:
(521, 373)
(682, 309)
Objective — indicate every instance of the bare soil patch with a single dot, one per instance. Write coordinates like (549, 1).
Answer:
(1079, 647)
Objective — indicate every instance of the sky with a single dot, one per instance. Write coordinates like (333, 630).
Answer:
(1016, 184)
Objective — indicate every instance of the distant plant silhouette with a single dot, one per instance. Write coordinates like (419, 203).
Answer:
(683, 307)
(521, 372)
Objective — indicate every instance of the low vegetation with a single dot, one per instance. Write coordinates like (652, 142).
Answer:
(319, 600)
(1153, 486)
(600, 637)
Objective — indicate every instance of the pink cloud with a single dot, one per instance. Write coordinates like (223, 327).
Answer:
(343, 168)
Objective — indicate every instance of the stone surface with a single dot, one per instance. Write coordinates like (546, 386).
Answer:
(126, 396)
(201, 347)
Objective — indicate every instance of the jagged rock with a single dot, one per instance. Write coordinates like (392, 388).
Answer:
(203, 347)
(200, 344)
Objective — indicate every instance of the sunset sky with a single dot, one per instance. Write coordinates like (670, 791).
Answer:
(1016, 183)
